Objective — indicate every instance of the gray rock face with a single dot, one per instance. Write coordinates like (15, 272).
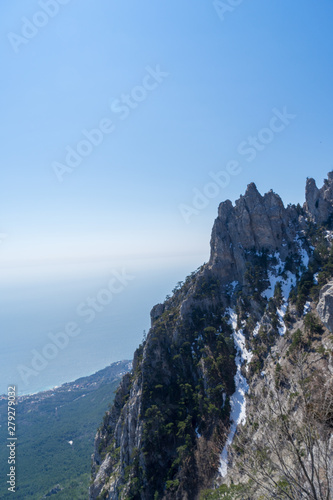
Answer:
(104, 466)
(325, 305)
(318, 203)
(256, 222)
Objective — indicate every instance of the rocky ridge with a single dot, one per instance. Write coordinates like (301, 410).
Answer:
(169, 432)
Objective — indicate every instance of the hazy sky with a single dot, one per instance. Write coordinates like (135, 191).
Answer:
(180, 91)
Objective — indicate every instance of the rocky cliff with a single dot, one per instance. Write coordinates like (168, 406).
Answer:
(227, 336)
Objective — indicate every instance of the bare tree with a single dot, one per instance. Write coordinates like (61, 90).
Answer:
(286, 448)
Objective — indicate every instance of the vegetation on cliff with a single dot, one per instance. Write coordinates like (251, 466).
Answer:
(245, 322)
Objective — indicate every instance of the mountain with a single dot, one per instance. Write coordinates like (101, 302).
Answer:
(55, 435)
(232, 388)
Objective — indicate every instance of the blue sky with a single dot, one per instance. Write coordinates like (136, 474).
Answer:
(225, 76)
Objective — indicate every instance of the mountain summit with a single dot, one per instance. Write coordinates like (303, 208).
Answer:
(229, 387)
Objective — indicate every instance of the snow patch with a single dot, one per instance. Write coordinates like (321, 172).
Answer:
(329, 235)
(256, 330)
(304, 257)
(197, 432)
(282, 328)
(274, 278)
(233, 285)
(304, 254)
(286, 285)
(307, 307)
(237, 400)
(281, 311)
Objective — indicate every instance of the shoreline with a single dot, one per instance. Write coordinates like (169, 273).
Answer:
(78, 381)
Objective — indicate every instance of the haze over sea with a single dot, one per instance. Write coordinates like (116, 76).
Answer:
(37, 300)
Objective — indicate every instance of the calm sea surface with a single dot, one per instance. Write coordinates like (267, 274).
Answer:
(58, 323)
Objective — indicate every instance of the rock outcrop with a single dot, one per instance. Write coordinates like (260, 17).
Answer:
(255, 223)
(178, 410)
(325, 305)
(318, 203)
(103, 465)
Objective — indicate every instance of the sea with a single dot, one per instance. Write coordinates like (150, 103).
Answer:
(62, 321)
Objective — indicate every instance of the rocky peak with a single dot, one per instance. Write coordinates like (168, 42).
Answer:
(256, 222)
(318, 204)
